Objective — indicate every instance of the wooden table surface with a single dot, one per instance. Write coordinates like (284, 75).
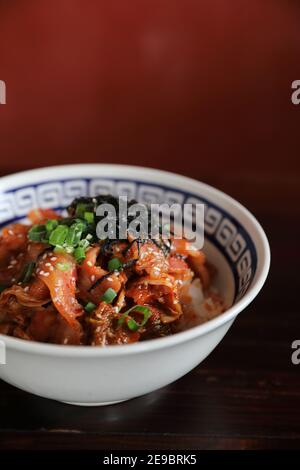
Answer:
(244, 395)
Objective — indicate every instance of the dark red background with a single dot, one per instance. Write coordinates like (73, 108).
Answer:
(191, 86)
(199, 87)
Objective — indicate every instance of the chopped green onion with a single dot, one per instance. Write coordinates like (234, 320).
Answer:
(89, 217)
(69, 249)
(80, 228)
(37, 233)
(114, 264)
(80, 209)
(80, 221)
(79, 254)
(70, 238)
(63, 266)
(74, 234)
(84, 244)
(71, 235)
(27, 272)
(51, 225)
(131, 323)
(36, 237)
(109, 295)
(2, 288)
(58, 236)
(59, 249)
(89, 307)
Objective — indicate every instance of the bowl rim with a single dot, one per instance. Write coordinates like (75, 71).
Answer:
(147, 173)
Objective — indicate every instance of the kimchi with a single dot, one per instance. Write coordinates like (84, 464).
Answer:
(61, 284)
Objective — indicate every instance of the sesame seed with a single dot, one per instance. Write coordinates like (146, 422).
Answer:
(13, 262)
(11, 232)
(89, 263)
(53, 258)
(45, 256)
(93, 278)
(46, 274)
(48, 264)
(26, 289)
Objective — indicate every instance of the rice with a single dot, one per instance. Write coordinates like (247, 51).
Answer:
(198, 307)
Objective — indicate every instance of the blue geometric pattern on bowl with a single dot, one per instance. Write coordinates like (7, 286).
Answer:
(223, 230)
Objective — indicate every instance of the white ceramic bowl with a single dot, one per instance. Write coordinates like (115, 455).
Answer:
(84, 375)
